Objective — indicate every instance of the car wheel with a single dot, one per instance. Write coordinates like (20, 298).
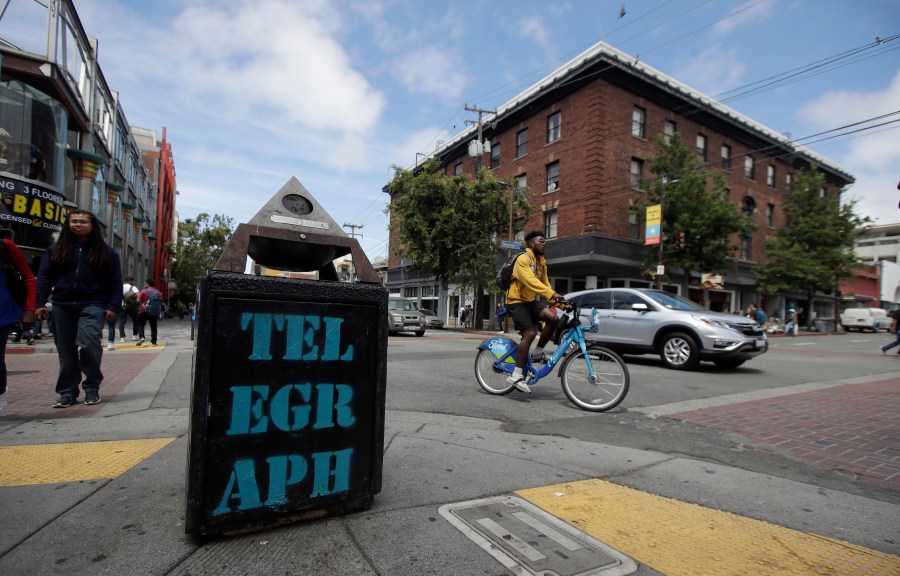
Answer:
(729, 363)
(420, 332)
(679, 351)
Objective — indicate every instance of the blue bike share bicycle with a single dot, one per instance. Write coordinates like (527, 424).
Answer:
(594, 378)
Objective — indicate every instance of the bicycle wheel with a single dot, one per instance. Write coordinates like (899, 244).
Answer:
(610, 386)
(491, 380)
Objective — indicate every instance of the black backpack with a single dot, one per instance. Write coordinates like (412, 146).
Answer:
(504, 275)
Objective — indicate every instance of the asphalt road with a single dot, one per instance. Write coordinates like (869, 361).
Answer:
(435, 374)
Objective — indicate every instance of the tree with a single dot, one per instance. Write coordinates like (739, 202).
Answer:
(200, 243)
(448, 226)
(699, 223)
(813, 252)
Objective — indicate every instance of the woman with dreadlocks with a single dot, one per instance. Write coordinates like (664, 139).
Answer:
(85, 276)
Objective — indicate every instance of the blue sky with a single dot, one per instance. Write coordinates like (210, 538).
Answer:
(337, 92)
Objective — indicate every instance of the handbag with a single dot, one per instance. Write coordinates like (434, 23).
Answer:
(15, 281)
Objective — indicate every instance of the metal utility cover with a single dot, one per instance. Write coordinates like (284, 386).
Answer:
(519, 534)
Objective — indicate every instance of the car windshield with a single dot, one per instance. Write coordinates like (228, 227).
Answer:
(400, 305)
(672, 301)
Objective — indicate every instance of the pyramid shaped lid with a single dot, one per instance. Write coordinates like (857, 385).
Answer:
(294, 208)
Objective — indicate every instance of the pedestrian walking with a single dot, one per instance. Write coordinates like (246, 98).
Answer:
(130, 306)
(150, 308)
(85, 276)
(895, 330)
(11, 311)
(790, 323)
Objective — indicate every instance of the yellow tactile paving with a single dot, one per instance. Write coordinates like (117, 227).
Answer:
(681, 539)
(52, 463)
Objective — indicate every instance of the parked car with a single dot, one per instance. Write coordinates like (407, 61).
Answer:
(431, 319)
(873, 319)
(642, 321)
(403, 316)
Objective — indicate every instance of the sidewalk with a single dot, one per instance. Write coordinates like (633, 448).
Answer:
(100, 489)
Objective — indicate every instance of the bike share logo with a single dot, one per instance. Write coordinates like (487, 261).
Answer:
(499, 346)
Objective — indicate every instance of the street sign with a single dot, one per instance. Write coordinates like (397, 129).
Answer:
(510, 245)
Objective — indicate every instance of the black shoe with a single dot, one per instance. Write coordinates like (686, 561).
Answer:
(65, 402)
(91, 398)
(30, 341)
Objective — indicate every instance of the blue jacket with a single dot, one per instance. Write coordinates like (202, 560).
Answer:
(79, 283)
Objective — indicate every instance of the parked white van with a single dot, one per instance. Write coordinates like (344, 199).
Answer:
(874, 319)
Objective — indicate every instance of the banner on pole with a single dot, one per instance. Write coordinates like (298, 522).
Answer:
(654, 224)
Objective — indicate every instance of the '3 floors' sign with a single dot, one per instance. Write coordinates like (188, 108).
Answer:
(287, 415)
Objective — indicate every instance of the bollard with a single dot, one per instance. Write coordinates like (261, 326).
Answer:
(288, 386)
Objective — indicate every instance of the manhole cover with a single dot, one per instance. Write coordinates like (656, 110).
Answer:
(517, 533)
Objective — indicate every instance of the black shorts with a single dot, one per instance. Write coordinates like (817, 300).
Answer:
(527, 314)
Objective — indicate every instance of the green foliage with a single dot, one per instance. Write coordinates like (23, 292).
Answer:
(200, 243)
(699, 223)
(448, 226)
(814, 251)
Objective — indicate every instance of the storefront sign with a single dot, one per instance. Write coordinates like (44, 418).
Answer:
(30, 204)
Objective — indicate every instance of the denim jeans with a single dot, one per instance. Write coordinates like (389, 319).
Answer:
(4, 335)
(894, 343)
(135, 323)
(77, 333)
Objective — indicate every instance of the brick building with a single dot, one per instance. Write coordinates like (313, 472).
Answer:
(580, 140)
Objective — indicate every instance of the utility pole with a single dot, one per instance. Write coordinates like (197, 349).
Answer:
(480, 146)
(353, 228)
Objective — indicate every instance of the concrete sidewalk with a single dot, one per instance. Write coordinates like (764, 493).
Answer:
(100, 489)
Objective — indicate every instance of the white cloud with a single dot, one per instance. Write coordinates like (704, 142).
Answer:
(432, 70)
(878, 148)
(748, 13)
(275, 58)
(871, 157)
(533, 28)
(712, 71)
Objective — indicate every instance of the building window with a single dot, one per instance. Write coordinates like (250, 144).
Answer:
(822, 192)
(749, 209)
(749, 167)
(552, 177)
(770, 175)
(639, 122)
(726, 157)
(458, 169)
(669, 130)
(550, 224)
(634, 229)
(553, 127)
(701, 148)
(770, 215)
(495, 156)
(788, 180)
(522, 143)
(637, 172)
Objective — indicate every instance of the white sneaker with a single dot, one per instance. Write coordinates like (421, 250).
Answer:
(134, 338)
(121, 340)
(111, 346)
(520, 384)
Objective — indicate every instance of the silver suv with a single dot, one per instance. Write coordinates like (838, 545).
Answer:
(641, 321)
(403, 316)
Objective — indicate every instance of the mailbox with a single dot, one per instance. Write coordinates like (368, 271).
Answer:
(288, 387)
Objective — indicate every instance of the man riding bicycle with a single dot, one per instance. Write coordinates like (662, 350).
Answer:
(527, 302)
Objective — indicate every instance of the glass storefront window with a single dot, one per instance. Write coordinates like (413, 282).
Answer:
(23, 26)
(32, 134)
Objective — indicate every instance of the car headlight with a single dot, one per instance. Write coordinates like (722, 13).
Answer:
(710, 321)
(397, 318)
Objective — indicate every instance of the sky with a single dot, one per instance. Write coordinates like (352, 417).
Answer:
(339, 92)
